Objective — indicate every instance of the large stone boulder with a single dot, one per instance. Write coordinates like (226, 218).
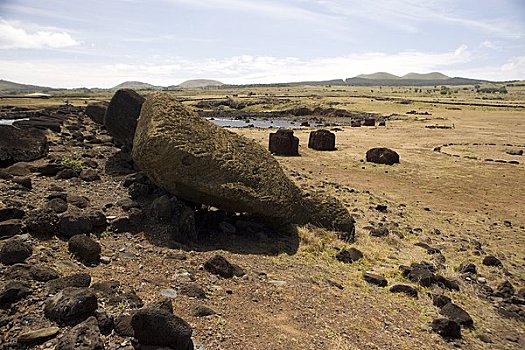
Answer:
(122, 114)
(381, 155)
(283, 143)
(96, 112)
(201, 162)
(322, 140)
(20, 144)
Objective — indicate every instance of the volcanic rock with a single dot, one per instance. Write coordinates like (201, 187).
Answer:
(201, 162)
(71, 305)
(375, 279)
(14, 291)
(85, 248)
(218, 265)
(322, 140)
(284, 143)
(458, 314)
(446, 328)
(381, 155)
(96, 112)
(15, 251)
(21, 145)
(84, 336)
(349, 255)
(122, 114)
(161, 328)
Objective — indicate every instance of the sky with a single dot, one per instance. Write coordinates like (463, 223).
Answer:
(101, 43)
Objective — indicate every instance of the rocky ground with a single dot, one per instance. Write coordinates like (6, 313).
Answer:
(94, 255)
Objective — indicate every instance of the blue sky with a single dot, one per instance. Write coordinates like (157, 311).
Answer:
(95, 43)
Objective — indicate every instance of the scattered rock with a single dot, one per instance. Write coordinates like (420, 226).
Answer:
(38, 336)
(15, 251)
(193, 290)
(14, 291)
(161, 328)
(42, 223)
(163, 304)
(84, 336)
(322, 140)
(71, 224)
(383, 208)
(440, 300)
(200, 310)
(446, 328)
(420, 274)
(349, 255)
(123, 325)
(467, 267)
(31, 272)
(85, 248)
(375, 279)
(403, 288)
(379, 232)
(78, 201)
(491, 260)
(49, 169)
(284, 143)
(71, 305)
(89, 175)
(66, 174)
(382, 155)
(458, 314)
(80, 279)
(218, 265)
(20, 144)
(24, 182)
(122, 114)
(505, 290)
(127, 203)
(515, 152)
(20, 169)
(10, 228)
(11, 213)
(58, 205)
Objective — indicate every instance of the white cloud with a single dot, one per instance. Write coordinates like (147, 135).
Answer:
(13, 35)
(237, 69)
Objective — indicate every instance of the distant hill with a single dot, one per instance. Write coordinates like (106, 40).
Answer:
(199, 83)
(427, 76)
(379, 76)
(410, 79)
(9, 87)
(136, 85)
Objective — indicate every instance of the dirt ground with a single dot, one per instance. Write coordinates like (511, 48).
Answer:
(295, 294)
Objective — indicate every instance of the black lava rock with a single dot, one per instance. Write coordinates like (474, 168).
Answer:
(349, 255)
(218, 265)
(446, 328)
(161, 328)
(491, 260)
(71, 305)
(15, 251)
(403, 288)
(458, 314)
(84, 336)
(375, 279)
(85, 248)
